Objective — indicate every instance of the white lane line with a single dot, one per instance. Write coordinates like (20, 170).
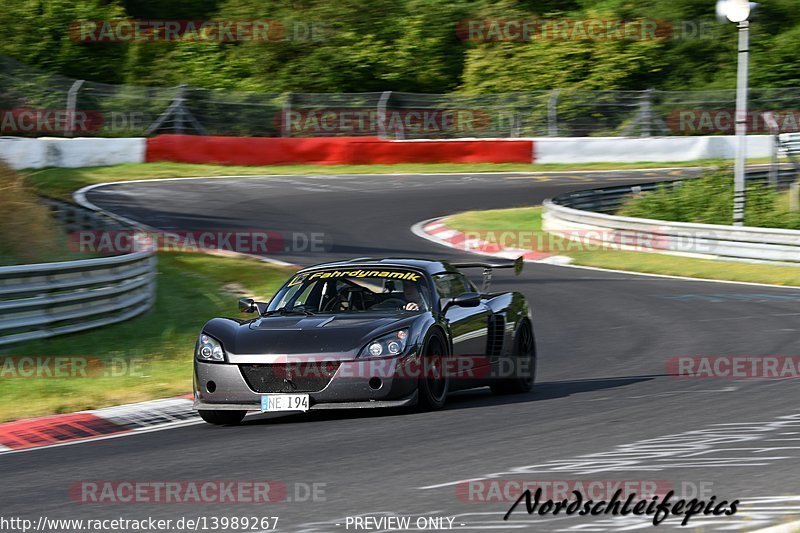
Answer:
(710, 447)
(747, 317)
(790, 527)
(80, 197)
(683, 392)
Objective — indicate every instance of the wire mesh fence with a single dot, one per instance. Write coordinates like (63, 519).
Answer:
(33, 103)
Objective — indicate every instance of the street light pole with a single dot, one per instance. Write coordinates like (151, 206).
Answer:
(739, 186)
(738, 11)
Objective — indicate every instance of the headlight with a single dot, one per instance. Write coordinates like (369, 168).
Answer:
(387, 345)
(209, 349)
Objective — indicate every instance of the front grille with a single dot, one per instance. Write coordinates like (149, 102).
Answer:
(293, 377)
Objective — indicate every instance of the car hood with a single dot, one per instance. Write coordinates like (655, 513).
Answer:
(270, 339)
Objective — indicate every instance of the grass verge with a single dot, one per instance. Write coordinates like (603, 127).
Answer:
(61, 182)
(529, 219)
(27, 234)
(149, 356)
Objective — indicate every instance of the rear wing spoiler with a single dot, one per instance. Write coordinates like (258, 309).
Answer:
(487, 267)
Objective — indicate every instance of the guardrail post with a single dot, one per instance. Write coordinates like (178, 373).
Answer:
(774, 130)
(647, 114)
(179, 108)
(72, 101)
(794, 196)
(552, 113)
(516, 125)
(286, 124)
(773, 165)
(383, 102)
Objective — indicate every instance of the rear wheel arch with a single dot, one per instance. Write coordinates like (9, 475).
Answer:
(519, 384)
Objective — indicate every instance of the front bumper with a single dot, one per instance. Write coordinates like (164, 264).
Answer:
(372, 404)
(355, 384)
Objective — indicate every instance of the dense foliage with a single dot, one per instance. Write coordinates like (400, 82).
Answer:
(709, 200)
(406, 45)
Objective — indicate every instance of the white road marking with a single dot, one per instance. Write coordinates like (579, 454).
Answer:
(683, 392)
(712, 447)
(80, 198)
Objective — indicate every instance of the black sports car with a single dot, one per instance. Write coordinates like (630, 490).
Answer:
(366, 333)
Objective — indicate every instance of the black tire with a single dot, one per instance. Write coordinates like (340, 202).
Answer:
(223, 418)
(434, 382)
(524, 375)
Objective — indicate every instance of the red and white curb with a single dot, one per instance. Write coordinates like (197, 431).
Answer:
(109, 422)
(437, 231)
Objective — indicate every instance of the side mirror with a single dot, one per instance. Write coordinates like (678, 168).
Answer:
(467, 299)
(247, 305)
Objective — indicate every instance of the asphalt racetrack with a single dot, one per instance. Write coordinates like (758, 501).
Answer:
(604, 407)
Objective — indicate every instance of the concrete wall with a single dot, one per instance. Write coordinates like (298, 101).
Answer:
(634, 150)
(334, 150)
(88, 152)
(44, 152)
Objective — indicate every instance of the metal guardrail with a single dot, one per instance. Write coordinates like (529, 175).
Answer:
(47, 299)
(76, 218)
(586, 216)
(789, 144)
(610, 199)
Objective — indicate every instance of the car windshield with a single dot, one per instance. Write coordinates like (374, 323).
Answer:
(353, 291)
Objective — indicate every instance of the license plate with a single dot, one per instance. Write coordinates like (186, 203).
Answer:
(271, 403)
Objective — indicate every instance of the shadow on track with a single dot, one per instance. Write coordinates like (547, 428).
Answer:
(470, 399)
